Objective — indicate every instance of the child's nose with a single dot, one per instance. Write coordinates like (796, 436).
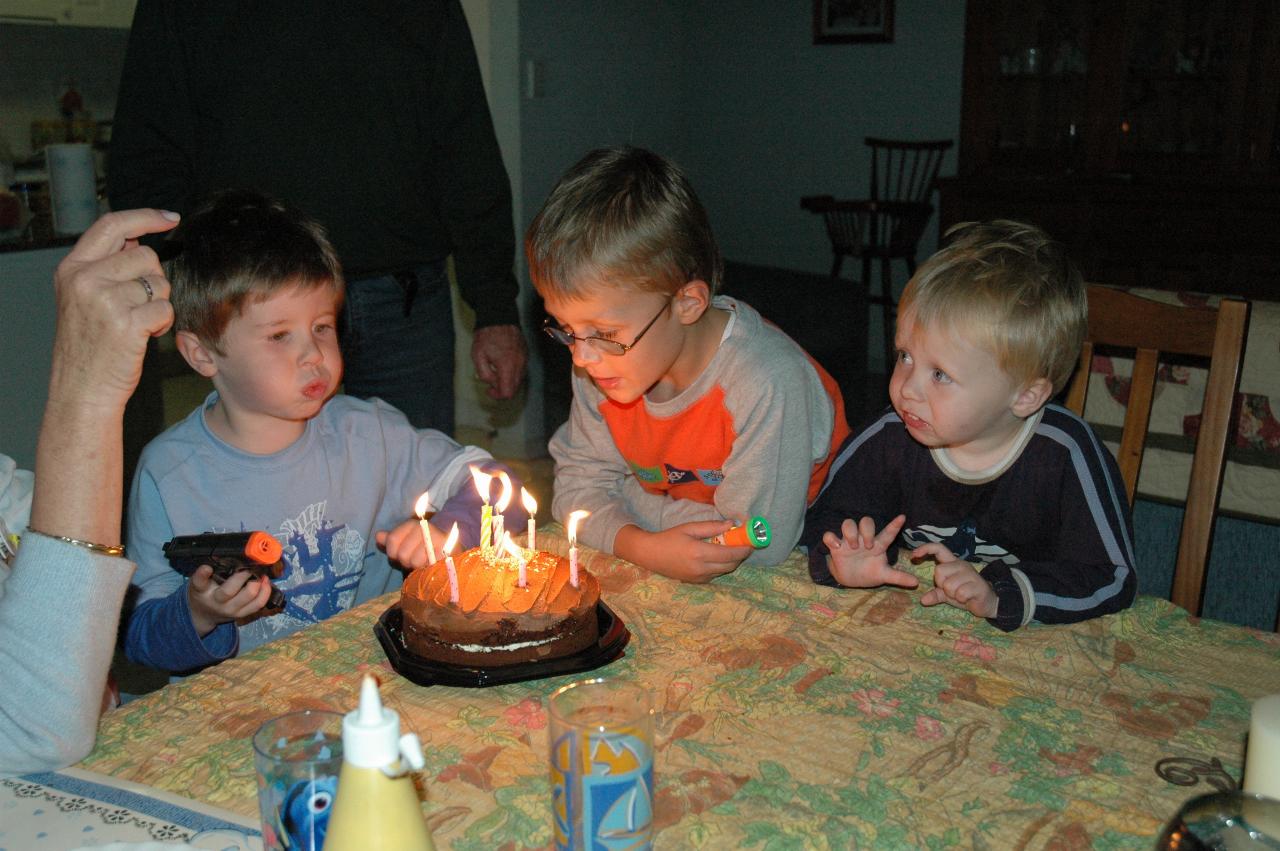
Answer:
(911, 385)
(583, 353)
(311, 351)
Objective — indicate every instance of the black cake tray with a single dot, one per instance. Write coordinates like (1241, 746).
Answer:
(426, 672)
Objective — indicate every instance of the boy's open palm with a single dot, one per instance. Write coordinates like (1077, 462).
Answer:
(858, 555)
(239, 596)
(957, 582)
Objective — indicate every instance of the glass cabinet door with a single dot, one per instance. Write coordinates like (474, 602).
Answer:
(1179, 88)
(1041, 56)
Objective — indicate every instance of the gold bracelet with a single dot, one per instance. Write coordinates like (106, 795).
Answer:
(104, 549)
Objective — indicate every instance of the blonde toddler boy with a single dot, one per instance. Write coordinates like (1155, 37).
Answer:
(1015, 499)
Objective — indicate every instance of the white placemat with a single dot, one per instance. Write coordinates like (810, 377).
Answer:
(71, 809)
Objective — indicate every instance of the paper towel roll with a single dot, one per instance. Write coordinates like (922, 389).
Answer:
(73, 187)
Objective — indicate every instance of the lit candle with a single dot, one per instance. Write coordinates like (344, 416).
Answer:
(514, 548)
(574, 518)
(482, 480)
(1262, 761)
(420, 509)
(530, 507)
(504, 499)
(449, 543)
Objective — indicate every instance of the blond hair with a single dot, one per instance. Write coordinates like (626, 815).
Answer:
(1009, 287)
(621, 217)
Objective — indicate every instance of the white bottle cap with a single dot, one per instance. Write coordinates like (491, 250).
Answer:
(371, 733)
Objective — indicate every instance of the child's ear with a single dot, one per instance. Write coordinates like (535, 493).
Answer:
(1033, 397)
(196, 353)
(691, 301)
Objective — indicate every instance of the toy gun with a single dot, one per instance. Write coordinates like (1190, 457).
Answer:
(228, 553)
(755, 533)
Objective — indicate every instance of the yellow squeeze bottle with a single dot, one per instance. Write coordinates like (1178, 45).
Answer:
(376, 807)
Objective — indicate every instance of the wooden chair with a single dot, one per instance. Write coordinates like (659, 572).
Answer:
(1126, 321)
(888, 224)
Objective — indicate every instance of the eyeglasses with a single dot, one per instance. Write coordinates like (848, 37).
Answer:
(608, 347)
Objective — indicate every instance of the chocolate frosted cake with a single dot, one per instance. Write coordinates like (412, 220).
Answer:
(496, 622)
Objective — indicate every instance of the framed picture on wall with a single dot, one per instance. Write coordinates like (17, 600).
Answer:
(844, 21)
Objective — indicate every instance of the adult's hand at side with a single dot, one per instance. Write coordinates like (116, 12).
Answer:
(500, 355)
(105, 317)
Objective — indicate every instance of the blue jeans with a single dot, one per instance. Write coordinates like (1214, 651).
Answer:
(406, 360)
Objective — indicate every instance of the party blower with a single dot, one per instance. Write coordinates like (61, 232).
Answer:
(754, 533)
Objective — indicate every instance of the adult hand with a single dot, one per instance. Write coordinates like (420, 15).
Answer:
(105, 312)
(499, 354)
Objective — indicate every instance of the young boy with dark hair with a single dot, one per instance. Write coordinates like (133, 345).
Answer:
(1016, 500)
(690, 412)
(256, 294)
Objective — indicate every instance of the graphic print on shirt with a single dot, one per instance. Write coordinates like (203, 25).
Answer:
(676, 476)
(322, 569)
(961, 540)
(648, 475)
(711, 478)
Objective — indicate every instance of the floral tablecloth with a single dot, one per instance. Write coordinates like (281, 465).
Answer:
(790, 716)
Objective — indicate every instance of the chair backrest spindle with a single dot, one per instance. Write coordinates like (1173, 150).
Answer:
(1149, 328)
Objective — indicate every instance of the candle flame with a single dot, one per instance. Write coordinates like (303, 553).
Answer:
(420, 507)
(530, 504)
(507, 492)
(482, 480)
(512, 547)
(574, 518)
(451, 541)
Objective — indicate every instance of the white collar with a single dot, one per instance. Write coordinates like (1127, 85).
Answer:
(977, 477)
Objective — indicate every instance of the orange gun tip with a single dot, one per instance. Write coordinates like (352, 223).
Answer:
(263, 548)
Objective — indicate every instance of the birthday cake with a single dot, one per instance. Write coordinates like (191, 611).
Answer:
(496, 621)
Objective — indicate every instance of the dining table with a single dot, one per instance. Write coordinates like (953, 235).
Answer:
(787, 715)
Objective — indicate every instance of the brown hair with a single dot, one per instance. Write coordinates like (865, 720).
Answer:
(1010, 287)
(239, 245)
(626, 217)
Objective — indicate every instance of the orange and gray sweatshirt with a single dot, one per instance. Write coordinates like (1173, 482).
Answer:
(754, 434)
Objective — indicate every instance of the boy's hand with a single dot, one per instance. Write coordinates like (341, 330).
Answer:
(958, 583)
(405, 547)
(681, 552)
(858, 556)
(212, 604)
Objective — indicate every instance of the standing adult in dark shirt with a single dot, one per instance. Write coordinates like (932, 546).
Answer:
(371, 118)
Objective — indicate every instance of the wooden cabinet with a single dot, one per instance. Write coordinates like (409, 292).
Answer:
(1144, 133)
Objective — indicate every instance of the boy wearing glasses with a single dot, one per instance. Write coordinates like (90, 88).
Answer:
(690, 413)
